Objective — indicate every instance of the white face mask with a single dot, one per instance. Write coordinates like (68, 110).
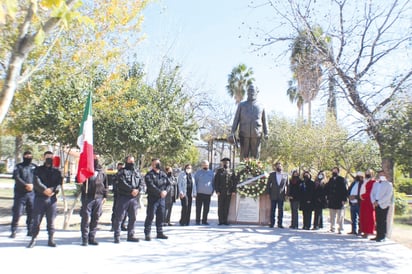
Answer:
(382, 178)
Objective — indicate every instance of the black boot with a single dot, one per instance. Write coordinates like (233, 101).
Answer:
(84, 242)
(92, 241)
(32, 242)
(51, 242)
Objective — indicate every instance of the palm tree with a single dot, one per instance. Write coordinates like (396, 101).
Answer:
(238, 81)
(306, 66)
(295, 97)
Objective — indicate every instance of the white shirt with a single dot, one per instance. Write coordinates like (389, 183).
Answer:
(279, 177)
(382, 192)
(354, 192)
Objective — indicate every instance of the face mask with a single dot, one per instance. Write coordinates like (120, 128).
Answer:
(320, 177)
(368, 176)
(278, 169)
(157, 166)
(169, 174)
(205, 168)
(27, 161)
(48, 161)
(96, 163)
(382, 178)
(188, 170)
(334, 174)
(129, 166)
(224, 166)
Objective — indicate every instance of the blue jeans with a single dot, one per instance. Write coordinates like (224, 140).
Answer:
(279, 205)
(354, 216)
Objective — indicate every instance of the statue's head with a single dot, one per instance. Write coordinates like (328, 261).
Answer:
(251, 93)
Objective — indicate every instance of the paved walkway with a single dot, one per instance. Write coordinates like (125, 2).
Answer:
(204, 249)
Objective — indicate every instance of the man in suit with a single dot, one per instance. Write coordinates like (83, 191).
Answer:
(277, 188)
(251, 119)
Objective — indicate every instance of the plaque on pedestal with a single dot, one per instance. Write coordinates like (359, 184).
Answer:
(246, 210)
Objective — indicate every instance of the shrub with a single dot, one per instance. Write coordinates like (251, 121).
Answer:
(404, 185)
(401, 203)
(3, 167)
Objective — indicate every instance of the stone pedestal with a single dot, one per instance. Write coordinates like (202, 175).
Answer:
(245, 210)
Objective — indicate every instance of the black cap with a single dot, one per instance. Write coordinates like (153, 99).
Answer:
(225, 159)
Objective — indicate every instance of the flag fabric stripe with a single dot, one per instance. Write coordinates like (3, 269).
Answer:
(85, 143)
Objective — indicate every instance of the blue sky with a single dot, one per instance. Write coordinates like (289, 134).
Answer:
(203, 37)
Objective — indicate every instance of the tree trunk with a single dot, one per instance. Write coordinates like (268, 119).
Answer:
(310, 112)
(332, 95)
(18, 143)
(387, 166)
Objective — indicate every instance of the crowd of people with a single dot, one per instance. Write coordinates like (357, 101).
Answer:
(369, 199)
(36, 188)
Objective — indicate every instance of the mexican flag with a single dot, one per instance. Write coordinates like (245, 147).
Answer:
(85, 143)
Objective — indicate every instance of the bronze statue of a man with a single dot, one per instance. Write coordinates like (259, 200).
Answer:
(251, 119)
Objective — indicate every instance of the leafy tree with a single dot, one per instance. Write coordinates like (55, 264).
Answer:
(238, 81)
(32, 30)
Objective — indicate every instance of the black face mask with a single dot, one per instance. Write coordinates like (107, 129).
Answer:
(278, 169)
(205, 168)
(334, 174)
(129, 166)
(368, 176)
(225, 166)
(48, 161)
(27, 161)
(169, 174)
(158, 166)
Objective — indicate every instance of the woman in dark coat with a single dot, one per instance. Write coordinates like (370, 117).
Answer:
(319, 200)
(306, 199)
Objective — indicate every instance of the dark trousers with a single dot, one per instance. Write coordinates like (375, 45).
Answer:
(223, 204)
(249, 147)
(22, 202)
(129, 205)
(155, 206)
(90, 213)
(354, 217)
(381, 215)
(307, 218)
(202, 200)
(44, 205)
(318, 218)
(186, 209)
(114, 213)
(294, 207)
(279, 205)
(168, 212)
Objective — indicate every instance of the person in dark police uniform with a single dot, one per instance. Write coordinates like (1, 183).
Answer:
(158, 185)
(94, 194)
(224, 182)
(129, 186)
(46, 184)
(23, 176)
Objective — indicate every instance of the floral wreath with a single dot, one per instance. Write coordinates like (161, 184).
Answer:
(251, 168)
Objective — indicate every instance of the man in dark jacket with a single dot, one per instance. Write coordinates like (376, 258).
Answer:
(277, 188)
(336, 194)
(158, 185)
(129, 186)
(225, 187)
(46, 184)
(23, 176)
(94, 193)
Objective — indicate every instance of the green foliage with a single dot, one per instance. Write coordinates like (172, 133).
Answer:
(401, 203)
(317, 147)
(396, 131)
(3, 167)
(404, 185)
(238, 80)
